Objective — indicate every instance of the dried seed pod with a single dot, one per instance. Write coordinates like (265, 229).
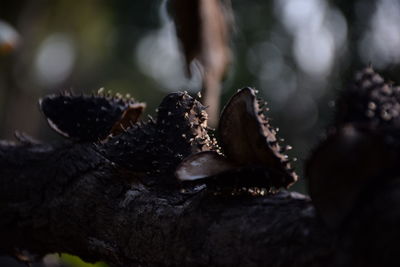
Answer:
(369, 100)
(248, 139)
(184, 120)
(158, 146)
(343, 166)
(89, 118)
(250, 145)
(361, 149)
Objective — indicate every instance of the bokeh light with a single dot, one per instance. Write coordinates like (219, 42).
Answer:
(55, 59)
(381, 42)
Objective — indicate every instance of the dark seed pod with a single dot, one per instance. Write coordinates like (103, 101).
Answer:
(248, 139)
(343, 166)
(249, 143)
(89, 118)
(361, 148)
(158, 146)
(369, 100)
(135, 149)
(184, 121)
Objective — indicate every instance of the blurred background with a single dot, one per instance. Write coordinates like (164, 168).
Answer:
(297, 53)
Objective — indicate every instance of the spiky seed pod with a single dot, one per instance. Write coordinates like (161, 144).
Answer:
(89, 118)
(184, 122)
(249, 144)
(369, 100)
(361, 149)
(134, 149)
(247, 138)
(158, 146)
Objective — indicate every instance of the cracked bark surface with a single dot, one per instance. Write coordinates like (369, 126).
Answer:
(84, 206)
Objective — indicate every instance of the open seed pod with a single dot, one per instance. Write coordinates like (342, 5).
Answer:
(89, 118)
(247, 140)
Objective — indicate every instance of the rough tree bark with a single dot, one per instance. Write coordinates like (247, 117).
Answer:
(72, 198)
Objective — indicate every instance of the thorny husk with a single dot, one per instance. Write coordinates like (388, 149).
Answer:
(157, 146)
(89, 117)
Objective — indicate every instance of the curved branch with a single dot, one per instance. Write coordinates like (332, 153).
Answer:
(71, 199)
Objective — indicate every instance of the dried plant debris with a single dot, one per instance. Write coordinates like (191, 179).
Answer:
(369, 100)
(361, 149)
(249, 142)
(157, 146)
(89, 117)
(203, 28)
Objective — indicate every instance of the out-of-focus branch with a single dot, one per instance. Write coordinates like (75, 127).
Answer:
(203, 28)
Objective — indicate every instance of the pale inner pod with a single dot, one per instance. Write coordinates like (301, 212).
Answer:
(342, 167)
(130, 116)
(202, 165)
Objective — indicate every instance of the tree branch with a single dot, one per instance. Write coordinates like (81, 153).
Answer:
(71, 199)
